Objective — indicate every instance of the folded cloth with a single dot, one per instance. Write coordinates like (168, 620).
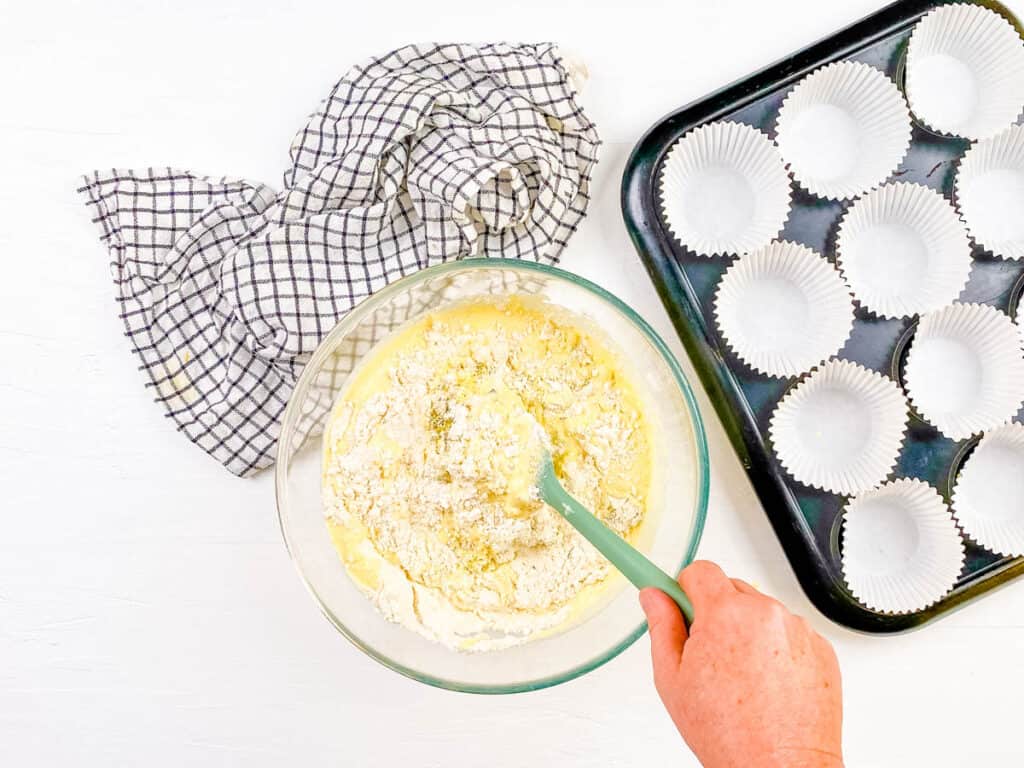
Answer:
(429, 153)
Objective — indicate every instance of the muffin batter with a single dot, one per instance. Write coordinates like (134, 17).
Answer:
(430, 459)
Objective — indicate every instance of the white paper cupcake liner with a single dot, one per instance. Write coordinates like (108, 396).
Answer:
(841, 429)
(843, 130)
(965, 71)
(903, 250)
(724, 189)
(988, 500)
(901, 549)
(990, 192)
(783, 309)
(965, 369)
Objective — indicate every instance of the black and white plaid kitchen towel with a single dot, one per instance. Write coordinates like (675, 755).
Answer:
(429, 153)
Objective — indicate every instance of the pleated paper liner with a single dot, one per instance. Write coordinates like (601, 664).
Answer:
(841, 428)
(988, 499)
(990, 192)
(965, 71)
(965, 369)
(783, 309)
(901, 549)
(903, 250)
(843, 130)
(724, 189)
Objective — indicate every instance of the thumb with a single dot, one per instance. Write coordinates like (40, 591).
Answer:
(668, 633)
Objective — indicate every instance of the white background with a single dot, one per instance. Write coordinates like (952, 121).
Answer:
(148, 611)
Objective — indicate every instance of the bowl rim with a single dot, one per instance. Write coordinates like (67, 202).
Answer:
(379, 297)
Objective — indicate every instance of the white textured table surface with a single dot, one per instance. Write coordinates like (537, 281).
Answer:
(148, 611)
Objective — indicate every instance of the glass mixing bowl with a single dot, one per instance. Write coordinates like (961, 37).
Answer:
(669, 536)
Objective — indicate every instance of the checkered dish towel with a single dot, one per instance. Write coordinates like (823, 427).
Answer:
(430, 153)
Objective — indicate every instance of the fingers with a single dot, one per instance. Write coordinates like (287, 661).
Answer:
(668, 633)
(742, 586)
(705, 583)
(745, 589)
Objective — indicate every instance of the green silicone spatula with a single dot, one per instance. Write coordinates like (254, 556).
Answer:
(633, 565)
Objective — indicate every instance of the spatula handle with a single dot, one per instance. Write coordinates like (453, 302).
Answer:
(632, 563)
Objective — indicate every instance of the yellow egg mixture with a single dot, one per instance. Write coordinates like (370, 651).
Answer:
(430, 459)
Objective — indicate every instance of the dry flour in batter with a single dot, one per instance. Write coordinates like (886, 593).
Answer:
(431, 456)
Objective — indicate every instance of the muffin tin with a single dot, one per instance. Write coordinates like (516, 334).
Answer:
(808, 520)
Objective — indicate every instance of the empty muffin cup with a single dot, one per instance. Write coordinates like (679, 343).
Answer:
(724, 189)
(843, 129)
(965, 71)
(903, 250)
(841, 428)
(783, 309)
(988, 500)
(990, 192)
(901, 549)
(965, 369)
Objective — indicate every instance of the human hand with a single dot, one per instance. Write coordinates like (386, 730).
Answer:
(751, 685)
